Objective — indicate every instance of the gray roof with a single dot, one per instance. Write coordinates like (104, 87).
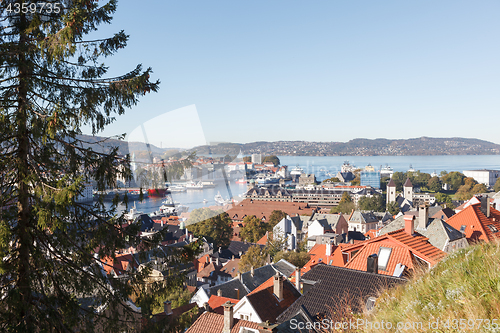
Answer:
(332, 219)
(434, 209)
(335, 285)
(284, 267)
(299, 221)
(438, 231)
(261, 275)
(397, 224)
(228, 289)
(363, 217)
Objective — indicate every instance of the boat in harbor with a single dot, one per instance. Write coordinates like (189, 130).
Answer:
(177, 188)
(386, 171)
(220, 200)
(241, 181)
(132, 214)
(158, 192)
(194, 186)
(296, 171)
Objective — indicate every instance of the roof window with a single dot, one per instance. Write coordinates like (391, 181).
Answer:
(384, 253)
(462, 228)
(493, 228)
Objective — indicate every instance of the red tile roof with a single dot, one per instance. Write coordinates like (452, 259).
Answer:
(215, 302)
(476, 223)
(318, 254)
(119, 265)
(403, 246)
(263, 209)
(210, 322)
(266, 304)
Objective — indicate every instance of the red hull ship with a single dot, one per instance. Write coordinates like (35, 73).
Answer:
(158, 192)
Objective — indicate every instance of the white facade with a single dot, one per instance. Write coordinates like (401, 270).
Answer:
(87, 194)
(257, 158)
(315, 229)
(244, 310)
(200, 297)
(486, 177)
(286, 229)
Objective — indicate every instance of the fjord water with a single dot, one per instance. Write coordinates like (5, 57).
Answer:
(428, 164)
(321, 165)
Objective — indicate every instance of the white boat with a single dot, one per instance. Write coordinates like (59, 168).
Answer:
(177, 188)
(297, 171)
(194, 186)
(220, 200)
(132, 214)
(346, 167)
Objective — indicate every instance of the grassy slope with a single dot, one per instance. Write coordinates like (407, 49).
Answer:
(465, 285)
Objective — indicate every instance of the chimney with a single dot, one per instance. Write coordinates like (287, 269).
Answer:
(372, 264)
(217, 261)
(237, 293)
(485, 205)
(328, 251)
(210, 259)
(167, 306)
(206, 307)
(162, 223)
(297, 279)
(239, 276)
(278, 287)
(423, 216)
(409, 227)
(252, 272)
(219, 249)
(228, 317)
(219, 292)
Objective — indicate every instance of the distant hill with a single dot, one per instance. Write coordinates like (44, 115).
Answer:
(355, 147)
(101, 144)
(360, 147)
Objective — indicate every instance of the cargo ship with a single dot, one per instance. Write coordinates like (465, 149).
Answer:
(158, 192)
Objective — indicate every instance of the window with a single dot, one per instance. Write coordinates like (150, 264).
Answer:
(462, 228)
(492, 228)
(384, 254)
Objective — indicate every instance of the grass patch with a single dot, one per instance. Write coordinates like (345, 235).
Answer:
(465, 285)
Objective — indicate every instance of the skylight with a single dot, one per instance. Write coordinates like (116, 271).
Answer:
(384, 254)
(492, 228)
(462, 228)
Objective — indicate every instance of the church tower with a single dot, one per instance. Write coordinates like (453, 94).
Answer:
(391, 191)
(408, 190)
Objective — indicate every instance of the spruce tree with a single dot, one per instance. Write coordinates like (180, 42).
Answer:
(53, 247)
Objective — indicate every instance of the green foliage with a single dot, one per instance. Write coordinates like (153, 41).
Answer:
(53, 84)
(217, 229)
(202, 214)
(464, 288)
(331, 180)
(434, 184)
(275, 243)
(298, 259)
(393, 208)
(271, 159)
(442, 198)
(375, 203)
(345, 205)
(469, 188)
(275, 217)
(255, 257)
(178, 296)
(455, 179)
(247, 159)
(496, 187)
(253, 229)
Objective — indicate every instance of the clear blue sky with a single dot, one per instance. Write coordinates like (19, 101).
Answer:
(319, 70)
